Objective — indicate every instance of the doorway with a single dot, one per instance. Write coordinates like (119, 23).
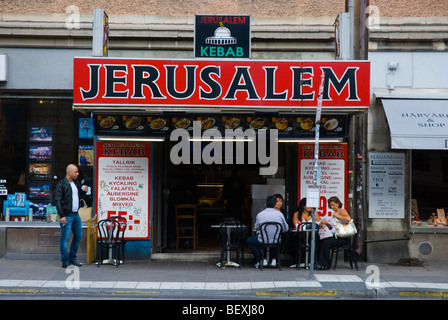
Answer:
(220, 190)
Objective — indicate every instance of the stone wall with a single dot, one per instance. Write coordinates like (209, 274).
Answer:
(259, 8)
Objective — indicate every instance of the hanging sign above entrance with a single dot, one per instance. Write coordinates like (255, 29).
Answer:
(222, 36)
(199, 83)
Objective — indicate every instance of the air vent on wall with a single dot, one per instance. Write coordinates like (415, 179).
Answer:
(425, 248)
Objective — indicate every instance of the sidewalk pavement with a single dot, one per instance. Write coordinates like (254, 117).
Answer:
(204, 280)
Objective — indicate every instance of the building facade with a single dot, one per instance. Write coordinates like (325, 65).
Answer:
(40, 43)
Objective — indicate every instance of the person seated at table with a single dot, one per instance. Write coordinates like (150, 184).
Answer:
(327, 244)
(269, 214)
(303, 214)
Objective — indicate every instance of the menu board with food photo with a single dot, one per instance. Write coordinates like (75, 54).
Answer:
(258, 123)
(330, 126)
(334, 126)
(182, 123)
(209, 122)
(134, 123)
(158, 124)
(305, 125)
(108, 123)
(284, 125)
(233, 123)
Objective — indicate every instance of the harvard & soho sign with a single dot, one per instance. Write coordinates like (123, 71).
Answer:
(194, 83)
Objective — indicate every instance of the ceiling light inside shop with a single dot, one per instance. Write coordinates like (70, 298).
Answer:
(310, 140)
(221, 140)
(112, 138)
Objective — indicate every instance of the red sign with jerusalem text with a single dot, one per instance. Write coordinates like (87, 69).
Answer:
(221, 83)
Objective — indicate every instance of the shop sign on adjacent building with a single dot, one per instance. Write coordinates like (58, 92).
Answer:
(219, 83)
(386, 184)
(3, 67)
(222, 36)
(124, 185)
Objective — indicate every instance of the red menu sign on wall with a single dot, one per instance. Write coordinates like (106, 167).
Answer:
(124, 184)
(236, 83)
(333, 172)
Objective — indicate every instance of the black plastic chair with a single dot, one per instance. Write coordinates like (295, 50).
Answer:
(109, 235)
(349, 250)
(121, 241)
(271, 238)
(231, 235)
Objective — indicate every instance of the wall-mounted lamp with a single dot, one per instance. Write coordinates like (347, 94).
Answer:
(392, 65)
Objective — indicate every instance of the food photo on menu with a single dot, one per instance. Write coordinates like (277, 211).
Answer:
(158, 124)
(208, 122)
(284, 125)
(182, 123)
(134, 123)
(258, 123)
(106, 123)
(232, 123)
(330, 125)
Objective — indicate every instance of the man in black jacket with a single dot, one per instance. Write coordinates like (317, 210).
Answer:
(67, 195)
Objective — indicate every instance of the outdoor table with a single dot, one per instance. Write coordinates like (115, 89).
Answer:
(228, 262)
(306, 228)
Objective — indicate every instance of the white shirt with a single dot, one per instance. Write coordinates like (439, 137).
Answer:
(270, 215)
(75, 197)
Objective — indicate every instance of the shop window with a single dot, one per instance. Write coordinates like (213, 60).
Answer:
(429, 188)
(43, 159)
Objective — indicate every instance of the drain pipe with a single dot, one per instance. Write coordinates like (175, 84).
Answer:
(351, 10)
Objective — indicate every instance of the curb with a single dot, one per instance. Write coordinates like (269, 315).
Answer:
(246, 294)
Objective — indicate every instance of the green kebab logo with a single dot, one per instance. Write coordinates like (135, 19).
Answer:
(222, 44)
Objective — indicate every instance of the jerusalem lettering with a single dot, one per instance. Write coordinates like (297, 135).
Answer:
(238, 83)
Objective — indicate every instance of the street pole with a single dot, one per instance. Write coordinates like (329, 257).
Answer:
(316, 170)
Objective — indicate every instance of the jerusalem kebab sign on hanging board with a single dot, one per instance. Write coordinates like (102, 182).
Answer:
(222, 36)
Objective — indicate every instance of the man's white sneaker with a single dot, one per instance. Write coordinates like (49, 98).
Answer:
(265, 263)
(273, 263)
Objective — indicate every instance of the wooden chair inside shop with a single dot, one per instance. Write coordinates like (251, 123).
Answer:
(186, 225)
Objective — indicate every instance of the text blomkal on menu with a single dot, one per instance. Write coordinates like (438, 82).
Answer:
(331, 175)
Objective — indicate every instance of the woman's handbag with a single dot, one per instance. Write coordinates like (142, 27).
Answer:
(85, 212)
(344, 230)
